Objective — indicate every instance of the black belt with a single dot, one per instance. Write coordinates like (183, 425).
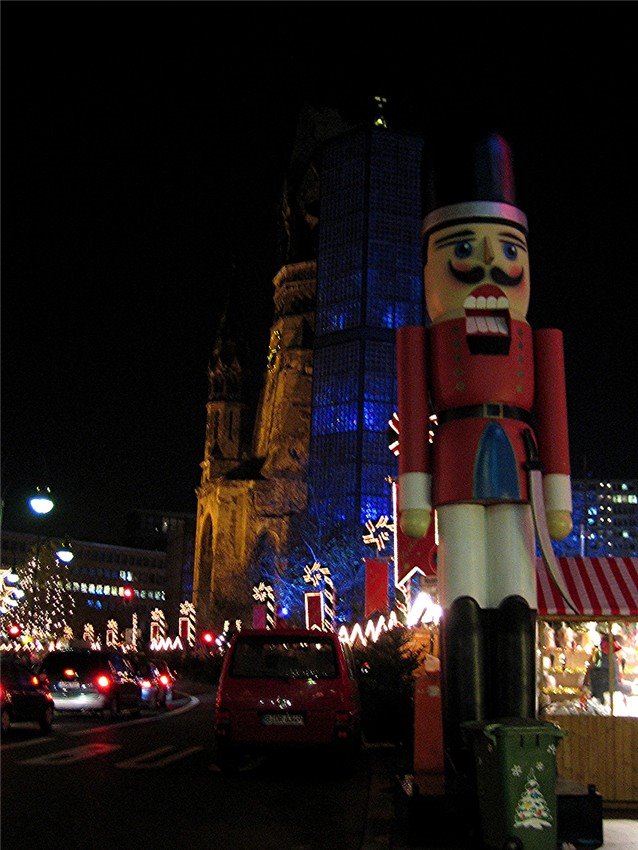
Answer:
(492, 410)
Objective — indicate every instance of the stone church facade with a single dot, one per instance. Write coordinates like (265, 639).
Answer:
(247, 498)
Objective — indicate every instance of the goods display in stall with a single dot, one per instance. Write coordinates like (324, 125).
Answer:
(568, 652)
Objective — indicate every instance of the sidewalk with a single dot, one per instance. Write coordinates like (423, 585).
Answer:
(395, 822)
(398, 822)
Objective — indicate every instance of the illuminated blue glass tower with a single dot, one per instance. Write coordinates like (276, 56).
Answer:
(369, 282)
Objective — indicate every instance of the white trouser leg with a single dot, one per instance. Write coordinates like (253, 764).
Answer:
(510, 554)
(461, 554)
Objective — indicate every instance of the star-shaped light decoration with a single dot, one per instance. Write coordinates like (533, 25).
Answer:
(313, 575)
(263, 592)
(378, 534)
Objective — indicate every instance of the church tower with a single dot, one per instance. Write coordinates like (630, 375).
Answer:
(329, 386)
(224, 409)
(249, 495)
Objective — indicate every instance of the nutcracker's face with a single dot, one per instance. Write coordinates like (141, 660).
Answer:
(479, 270)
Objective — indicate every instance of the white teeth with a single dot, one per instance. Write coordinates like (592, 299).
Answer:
(485, 324)
(481, 303)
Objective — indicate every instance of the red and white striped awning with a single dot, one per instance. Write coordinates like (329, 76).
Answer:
(598, 587)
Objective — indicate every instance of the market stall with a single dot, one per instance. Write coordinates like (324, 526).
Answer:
(588, 615)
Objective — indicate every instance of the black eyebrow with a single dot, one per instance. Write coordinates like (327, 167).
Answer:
(512, 237)
(452, 237)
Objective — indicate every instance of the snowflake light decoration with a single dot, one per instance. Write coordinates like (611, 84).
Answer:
(263, 592)
(378, 534)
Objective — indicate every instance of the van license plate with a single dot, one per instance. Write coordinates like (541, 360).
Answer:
(282, 719)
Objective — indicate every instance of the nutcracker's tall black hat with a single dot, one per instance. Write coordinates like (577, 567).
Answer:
(468, 179)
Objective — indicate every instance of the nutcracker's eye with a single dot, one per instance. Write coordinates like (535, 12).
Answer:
(510, 251)
(463, 250)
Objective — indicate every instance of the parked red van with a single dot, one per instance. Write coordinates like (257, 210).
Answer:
(287, 687)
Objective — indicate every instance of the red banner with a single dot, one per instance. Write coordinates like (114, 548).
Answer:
(184, 628)
(259, 617)
(314, 609)
(376, 589)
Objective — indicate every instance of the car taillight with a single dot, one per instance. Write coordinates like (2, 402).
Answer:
(145, 683)
(103, 682)
(164, 679)
(69, 673)
(3, 692)
(35, 681)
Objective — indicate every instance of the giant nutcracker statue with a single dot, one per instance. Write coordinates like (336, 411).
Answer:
(497, 472)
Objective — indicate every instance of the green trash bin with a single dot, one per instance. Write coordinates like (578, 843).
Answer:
(515, 761)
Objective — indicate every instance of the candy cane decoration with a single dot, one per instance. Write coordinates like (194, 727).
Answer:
(112, 633)
(134, 630)
(187, 623)
(317, 575)
(265, 594)
(329, 597)
(158, 624)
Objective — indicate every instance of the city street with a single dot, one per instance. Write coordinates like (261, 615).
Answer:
(155, 779)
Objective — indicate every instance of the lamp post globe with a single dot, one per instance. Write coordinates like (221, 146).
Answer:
(41, 501)
(65, 552)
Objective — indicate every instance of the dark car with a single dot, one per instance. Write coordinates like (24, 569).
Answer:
(167, 680)
(92, 680)
(152, 692)
(24, 696)
(287, 688)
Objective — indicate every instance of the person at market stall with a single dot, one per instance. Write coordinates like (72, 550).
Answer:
(597, 676)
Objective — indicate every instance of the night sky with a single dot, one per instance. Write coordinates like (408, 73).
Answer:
(144, 147)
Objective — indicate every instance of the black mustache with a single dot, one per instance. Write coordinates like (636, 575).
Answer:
(474, 275)
(503, 279)
(477, 274)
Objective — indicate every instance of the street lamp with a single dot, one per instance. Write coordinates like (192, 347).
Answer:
(41, 501)
(43, 600)
(65, 552)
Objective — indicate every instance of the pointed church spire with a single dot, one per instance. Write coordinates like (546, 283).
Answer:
(221, 330)
(224, 370)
